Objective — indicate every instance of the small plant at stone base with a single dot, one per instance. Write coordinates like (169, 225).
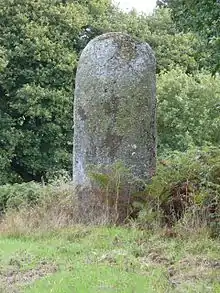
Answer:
(116, 189)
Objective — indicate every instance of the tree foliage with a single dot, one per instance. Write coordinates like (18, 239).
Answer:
(39, 47)
(188, 110)
(202, 17)
(172, 48)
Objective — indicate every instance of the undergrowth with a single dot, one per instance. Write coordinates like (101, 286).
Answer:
(187, 187)
(183, 196)
(184, 193)
(52, 207)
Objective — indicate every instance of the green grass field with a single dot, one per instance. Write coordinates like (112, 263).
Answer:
(92, 260)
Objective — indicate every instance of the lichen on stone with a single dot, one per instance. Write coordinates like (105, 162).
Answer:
(114, 106)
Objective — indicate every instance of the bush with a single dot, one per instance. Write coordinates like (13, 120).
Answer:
(188, 181)
(112, 191)
(15, 196)
(32, 207)
(185, 193)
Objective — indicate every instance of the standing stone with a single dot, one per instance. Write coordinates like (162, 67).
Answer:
(114, 107)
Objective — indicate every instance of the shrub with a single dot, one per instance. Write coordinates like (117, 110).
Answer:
(16, 195)
(185, 193)
(32, 207)
(189, 181)
(111, 190)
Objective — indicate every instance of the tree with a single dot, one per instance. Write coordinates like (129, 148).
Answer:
(202, 17)
(39, 47)
(172, 48)
(188, 110)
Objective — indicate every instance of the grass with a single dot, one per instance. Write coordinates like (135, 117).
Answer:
(45, 246)
(84, 259)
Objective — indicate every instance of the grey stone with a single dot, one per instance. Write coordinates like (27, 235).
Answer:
(114, 107)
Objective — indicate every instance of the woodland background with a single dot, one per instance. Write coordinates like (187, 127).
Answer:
(40, 44)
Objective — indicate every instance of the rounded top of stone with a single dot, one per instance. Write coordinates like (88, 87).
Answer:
(127, 46)
(117, 36)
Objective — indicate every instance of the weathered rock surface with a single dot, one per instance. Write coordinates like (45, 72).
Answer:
(114, 106)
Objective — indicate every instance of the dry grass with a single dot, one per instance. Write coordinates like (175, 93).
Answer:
(57, 210)
(60, 208)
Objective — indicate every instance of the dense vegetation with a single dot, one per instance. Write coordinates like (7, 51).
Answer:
(201, 17)
(40, 43)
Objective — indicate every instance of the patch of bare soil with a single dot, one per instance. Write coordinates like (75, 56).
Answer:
(190, 270)
(13, 279)
(193, 270)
